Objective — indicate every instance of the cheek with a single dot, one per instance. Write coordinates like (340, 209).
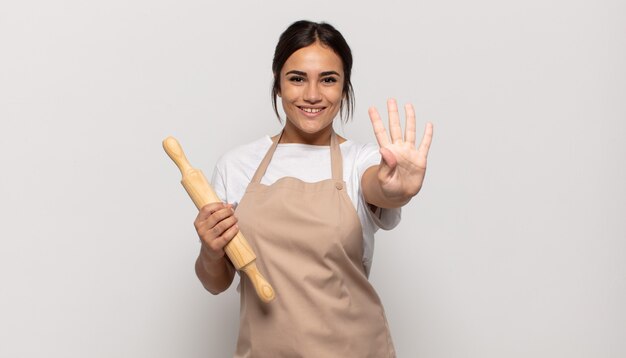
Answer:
(335, 95)
(288, 100)
(287, 92)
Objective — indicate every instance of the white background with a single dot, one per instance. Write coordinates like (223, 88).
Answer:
(516, 246)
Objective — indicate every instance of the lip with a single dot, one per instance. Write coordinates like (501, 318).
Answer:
(311, 114)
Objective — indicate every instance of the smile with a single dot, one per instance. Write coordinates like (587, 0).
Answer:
(309, 110)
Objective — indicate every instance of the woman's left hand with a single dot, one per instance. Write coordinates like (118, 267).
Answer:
(403, 166)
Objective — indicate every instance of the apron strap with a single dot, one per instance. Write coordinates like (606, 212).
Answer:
(260, 171)
(335, 158)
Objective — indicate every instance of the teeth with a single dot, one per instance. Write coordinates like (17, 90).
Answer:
(311, 110)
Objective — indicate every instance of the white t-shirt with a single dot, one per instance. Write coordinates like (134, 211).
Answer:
(310, 163)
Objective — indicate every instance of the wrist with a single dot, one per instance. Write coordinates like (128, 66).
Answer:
(209, 262)
(396, 200)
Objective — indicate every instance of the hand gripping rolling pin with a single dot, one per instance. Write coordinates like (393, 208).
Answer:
(198, 188)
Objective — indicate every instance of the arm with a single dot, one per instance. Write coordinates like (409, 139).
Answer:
(374, 194)
(216, 276)
(400, 174)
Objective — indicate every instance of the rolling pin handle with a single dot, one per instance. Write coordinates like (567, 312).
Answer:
(175, 152)
(263, 289)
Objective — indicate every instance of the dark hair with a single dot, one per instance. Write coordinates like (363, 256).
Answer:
(302, 34)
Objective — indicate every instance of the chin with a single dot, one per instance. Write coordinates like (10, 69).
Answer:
(313, 128)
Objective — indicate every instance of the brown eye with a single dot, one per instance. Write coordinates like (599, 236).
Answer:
(296, 79)
(329, 80)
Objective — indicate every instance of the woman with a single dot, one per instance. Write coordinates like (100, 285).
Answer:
(309, 202)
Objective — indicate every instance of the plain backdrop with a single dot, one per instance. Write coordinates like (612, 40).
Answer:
(516, 246)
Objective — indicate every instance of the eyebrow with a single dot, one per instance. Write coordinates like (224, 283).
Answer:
(322, 74)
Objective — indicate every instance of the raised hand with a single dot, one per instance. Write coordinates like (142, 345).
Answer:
(403, 166)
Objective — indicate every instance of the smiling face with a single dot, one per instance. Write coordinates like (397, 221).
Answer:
(311, 89)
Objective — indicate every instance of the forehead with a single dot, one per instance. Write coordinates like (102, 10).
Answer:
(314, 58)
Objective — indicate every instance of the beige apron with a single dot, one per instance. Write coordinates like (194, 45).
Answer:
(309, 245)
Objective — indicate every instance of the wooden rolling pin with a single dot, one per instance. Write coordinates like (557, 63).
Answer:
(201, 192)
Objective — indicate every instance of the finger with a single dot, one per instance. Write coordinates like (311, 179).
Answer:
(218, 244)
(201, 221)
(394, 121)
(387, 165)
(228, 235)
(209, 233)
(379, 128)
(388, 158)
(427, 138)
(222, 226)
(209, 209)
(219, 215)
(409, 131)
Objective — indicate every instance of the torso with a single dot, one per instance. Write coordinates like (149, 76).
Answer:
(309, 246)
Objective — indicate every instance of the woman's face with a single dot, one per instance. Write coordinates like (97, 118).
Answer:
(311, 83)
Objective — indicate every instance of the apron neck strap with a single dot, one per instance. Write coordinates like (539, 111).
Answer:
(335, 159)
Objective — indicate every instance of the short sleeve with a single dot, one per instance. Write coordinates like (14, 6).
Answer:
(219, 184)
(383, 218)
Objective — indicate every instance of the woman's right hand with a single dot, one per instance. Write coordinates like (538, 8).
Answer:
(216, 225)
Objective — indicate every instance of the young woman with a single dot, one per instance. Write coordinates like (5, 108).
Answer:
(309, 201)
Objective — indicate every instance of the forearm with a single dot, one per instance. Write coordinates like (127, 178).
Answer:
(215, 276)
(374, 195)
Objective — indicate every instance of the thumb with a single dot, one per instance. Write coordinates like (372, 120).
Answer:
(387, 164)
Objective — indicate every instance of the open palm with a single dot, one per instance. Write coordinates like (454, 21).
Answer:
(403, 166)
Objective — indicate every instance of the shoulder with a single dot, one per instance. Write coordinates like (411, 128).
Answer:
(360, 155)
(234, 169)
(244, 155)
(357, 149)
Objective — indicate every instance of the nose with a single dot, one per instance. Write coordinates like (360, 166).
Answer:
(312, 93)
